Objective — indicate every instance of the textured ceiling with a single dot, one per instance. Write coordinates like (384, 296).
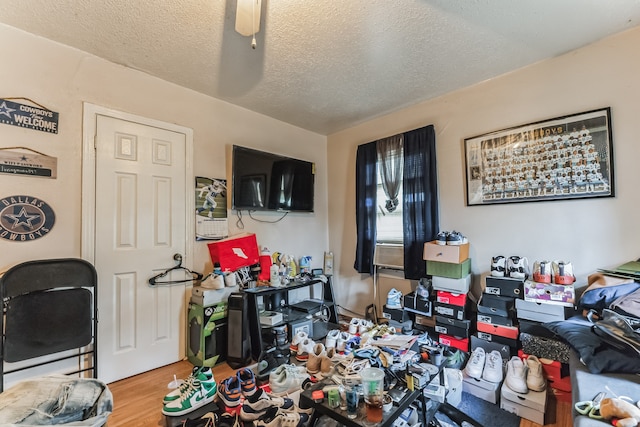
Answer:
(325, 65)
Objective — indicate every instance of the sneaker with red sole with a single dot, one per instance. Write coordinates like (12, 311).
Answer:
(563, 273)
(542, 271)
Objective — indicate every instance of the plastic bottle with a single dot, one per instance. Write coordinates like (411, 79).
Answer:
(274, 278)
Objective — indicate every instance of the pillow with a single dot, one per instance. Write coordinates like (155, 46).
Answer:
(597, 355)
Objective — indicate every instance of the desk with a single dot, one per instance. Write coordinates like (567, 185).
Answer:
(388, 418)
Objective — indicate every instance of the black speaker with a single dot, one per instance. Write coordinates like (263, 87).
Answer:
(238, 344)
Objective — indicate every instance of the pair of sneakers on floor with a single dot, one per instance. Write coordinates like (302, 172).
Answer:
(485, 366)
(197, 390)
(525, 375)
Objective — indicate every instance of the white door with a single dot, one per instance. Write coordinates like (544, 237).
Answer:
(140, 217)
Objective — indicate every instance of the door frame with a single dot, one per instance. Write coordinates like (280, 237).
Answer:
(88, 223)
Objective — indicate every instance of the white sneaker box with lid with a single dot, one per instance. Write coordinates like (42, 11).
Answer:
(542, 312)
(447, 284)
(481, 388)
(531, 405)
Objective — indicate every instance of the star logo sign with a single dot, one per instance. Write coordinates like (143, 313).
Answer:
(6, 110)
(23, 218)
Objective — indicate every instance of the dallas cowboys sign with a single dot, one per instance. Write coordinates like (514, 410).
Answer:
(26, 116)
(25, 218)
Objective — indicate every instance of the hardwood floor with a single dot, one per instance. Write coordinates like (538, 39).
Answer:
(138, 400)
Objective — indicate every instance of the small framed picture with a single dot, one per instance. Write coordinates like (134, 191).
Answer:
(568, 157)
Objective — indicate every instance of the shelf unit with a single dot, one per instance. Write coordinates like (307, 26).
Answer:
(289, 314)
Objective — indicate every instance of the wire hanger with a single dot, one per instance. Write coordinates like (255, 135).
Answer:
(177, 257)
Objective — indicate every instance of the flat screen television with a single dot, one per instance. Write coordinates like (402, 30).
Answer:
(271, 182)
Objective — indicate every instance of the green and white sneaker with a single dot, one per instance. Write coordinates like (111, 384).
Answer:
(196, 395)
(202, 374)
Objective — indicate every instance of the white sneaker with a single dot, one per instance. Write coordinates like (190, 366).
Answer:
(563, 273)
(304, 349)
(518, 267)
(296, 340)
(493, 367)
(364, 326)
(475, 365)
(353, 326)
(341, 342)
(332, 339)
(498, 266)
(516, 378)
(287, 379)
(535, 377)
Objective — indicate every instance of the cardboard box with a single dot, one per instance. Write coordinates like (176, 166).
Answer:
(505, 351)
(454, 254)
(481, 388)
(504, 286)
(496, 304)
(511, 332)
(546, 348)
(448, 269)
(454, 327)
(425, 320)
(498, 320)
(452, 311)
(451, 298)
(499, 339)
(415, 304)
(207, 337)
(270, 318)
(542, 312)
(548, 293)
(560, 395)
(240, 250)
(557, 373)
(459, 343)
(531, 406)
(205, 296)
(461, 286)
(395, 314)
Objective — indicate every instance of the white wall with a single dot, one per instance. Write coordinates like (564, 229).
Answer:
(62, 78)
(591, 233)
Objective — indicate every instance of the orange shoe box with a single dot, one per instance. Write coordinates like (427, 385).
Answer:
(503, 331)
(455, 254)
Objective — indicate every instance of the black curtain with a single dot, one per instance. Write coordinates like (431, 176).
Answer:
(420, 198)
(366, 189)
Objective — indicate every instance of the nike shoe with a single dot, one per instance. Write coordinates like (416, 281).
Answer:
(247, 382)
(304, 348)
(196, 396)
(202, 374)
(498, 266)
(535, 377)
(210, 419)
(230, 391)
(394, 298)
(542, 271)
(516, 378)
(493, 367)
(287, 379)
(518, 267)
(252, 411)
(456, 238)
(274, 417)
(441, 238)
(297, 339)
(475, 365)
(332, 339)
(353, 325)
(563, 273)
(341, 342)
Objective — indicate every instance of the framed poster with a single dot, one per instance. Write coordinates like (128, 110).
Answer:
(568, 157)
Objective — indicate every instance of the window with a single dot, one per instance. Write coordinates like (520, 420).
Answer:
(388, 224)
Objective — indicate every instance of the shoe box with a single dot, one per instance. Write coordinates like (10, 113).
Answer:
(557, 373)
(560, 395)
(461, 285)
(429, 321)
(496, 304)
(204, 296)
(457, 328)
(505, 351)
(513, 343)
(454, 254)
(416, 304)
(451, 298)
(544, 347)
(452, 311)
(493, 319)
(531, 405)
(485, 390)
(504, 286)
(179, 421)
(395, 314)
(455, 342)
(511, 332)
(449, 269)
(543, 311)
(549, 293)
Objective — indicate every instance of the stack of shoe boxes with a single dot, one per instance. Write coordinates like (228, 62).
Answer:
(547, 302)
(496, 318)
(450, 269)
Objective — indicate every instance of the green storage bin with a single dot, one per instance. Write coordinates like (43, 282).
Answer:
(450, 270)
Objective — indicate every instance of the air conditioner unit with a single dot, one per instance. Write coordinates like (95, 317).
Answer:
(389, 255)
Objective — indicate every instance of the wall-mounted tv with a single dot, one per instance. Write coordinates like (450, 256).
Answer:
(267, 181)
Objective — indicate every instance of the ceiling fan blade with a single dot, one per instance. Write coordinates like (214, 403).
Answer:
(248, 17)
